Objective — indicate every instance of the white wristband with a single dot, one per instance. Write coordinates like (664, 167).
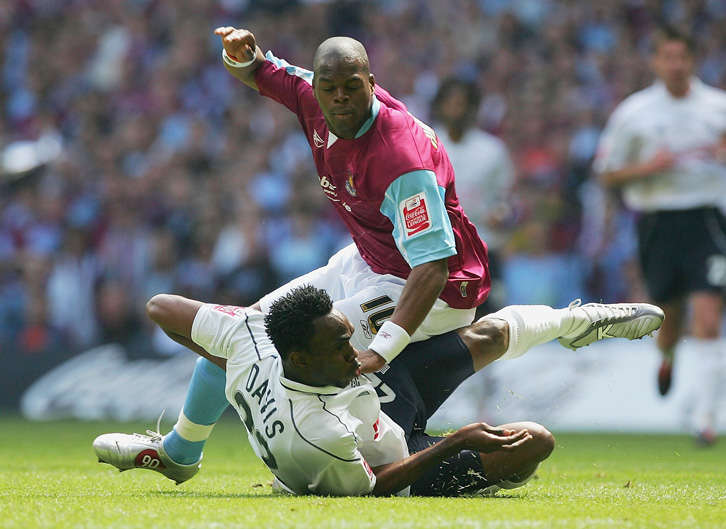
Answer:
(236, 64)
(390, 341)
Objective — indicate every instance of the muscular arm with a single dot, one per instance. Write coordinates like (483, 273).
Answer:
(175, 315)
(422, 288)
(241, 44)
(421, 291)
(427, 253)
(481, 437)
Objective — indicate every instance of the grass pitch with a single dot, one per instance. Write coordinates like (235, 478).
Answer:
(49, 477)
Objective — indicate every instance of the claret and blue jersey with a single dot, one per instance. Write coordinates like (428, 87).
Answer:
(393, 186)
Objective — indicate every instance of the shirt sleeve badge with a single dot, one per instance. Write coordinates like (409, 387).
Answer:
(415, 213)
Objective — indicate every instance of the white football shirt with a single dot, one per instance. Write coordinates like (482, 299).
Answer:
(484, 178)
(315, 440)
(690, 127)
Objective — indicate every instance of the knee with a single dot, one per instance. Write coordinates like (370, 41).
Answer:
(542, 439)
(488, 335)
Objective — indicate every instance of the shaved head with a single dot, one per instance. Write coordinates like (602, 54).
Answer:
(343, 85)
(339, 51)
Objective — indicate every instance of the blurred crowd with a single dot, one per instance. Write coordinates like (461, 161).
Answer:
(134, 164)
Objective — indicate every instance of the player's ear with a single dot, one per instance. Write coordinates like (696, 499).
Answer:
(298, 359)
(372, 81)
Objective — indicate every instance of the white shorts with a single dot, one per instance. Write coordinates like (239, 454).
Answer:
(368, 299)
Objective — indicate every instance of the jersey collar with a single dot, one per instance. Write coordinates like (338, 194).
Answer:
(694, 86)
(304, 388)
(375, 108)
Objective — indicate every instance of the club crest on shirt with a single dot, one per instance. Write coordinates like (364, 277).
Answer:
(415, 214)
(317, 140)
(349, 187)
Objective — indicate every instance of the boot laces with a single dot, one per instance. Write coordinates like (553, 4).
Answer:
(151, 435)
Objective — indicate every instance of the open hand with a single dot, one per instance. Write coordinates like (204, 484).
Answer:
(487, 439)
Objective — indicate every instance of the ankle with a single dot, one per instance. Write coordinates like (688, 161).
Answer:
(182, 451)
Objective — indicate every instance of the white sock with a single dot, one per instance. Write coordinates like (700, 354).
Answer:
(190, 431)
(530, 325)
(711, 355)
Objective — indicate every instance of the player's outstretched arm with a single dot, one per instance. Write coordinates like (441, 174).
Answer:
(481, 437)
(243, 53)
(175, 315)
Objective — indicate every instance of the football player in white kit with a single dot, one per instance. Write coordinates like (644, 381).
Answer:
(294, 378)
(665, 148)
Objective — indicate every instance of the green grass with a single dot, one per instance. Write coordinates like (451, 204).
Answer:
(49, 477)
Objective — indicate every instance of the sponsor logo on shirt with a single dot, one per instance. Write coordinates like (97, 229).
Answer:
(317, 140)
(415, 213)
(329, 189)
(228, 309)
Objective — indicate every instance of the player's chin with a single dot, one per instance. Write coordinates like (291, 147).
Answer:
(354, 372)
(346, 124)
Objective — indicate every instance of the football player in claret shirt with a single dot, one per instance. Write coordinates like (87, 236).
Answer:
(417, 267)
(391, 181)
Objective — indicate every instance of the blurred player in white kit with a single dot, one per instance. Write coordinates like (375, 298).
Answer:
(665, 149)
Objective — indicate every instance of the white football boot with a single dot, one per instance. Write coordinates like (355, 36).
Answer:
(126, 451)
(596, 321)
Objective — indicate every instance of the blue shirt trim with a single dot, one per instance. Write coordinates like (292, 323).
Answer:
(307, 75)
(433, 243)
(375, 107)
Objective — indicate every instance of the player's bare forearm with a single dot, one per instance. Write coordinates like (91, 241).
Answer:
(662, 161)
(480, 437)
(194, 347)
(422, 289)
(623, 176)
(240, 45)
(397, 476)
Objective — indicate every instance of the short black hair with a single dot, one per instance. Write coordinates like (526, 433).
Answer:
(289, 323)
(670, 33)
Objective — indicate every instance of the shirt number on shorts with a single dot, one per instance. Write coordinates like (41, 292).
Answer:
(377, 318)
(385, 393)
